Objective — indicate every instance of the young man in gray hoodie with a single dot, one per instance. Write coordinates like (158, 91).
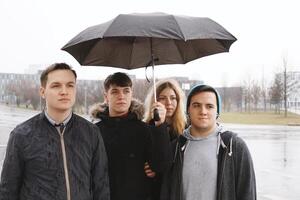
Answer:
(209, 163)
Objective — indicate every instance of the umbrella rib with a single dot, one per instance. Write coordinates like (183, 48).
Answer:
(183, 36)
(179, 50)
(131, 53)
(82, 58)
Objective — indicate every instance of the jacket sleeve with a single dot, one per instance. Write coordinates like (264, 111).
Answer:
(245, 176)
(100, 180)
(161, 155)
(12, 170)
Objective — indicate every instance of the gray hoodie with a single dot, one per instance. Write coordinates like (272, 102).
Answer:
(200, 165)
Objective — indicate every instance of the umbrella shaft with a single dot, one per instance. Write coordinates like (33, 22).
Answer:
(153, 76)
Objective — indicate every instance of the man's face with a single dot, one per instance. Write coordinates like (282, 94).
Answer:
(203, 113)
(59, 92)
(118, 99)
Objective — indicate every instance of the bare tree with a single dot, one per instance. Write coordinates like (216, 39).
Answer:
(264, 92)
(285, 94)
(247, 85)
(255, 93)
(225, 96)
(13, 92)
(276, 92)
(30, 93)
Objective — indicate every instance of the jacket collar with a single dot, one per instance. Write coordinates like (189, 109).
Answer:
(100, 111)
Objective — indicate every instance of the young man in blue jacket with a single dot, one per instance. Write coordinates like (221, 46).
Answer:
(209, 162)
(55, 154)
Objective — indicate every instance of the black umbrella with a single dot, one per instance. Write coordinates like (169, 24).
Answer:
(136, 40)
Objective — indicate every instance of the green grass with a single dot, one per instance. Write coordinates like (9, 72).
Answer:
(260, 118)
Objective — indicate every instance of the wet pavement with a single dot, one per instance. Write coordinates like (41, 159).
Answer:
(276, 156)
(275, 152)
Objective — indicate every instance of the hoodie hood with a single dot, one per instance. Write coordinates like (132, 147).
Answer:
(188, 136)
(217, 132)
(101, 109)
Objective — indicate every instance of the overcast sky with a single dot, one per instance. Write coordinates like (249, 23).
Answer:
(33, 32)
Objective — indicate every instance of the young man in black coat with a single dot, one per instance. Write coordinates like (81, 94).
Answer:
(129, 141)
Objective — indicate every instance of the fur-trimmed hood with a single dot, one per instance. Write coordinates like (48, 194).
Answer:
(99, 109)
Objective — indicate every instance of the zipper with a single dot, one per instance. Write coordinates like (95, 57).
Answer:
(181, 152)
(221, 172)
(63, 149)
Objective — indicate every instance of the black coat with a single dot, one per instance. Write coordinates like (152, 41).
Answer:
(33, 166)
(129, 144)
(156, 182)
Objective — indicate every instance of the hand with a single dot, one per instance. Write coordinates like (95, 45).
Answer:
(161, 112)
(148, 171)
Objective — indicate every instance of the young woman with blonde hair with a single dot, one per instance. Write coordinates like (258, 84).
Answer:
(170, 98)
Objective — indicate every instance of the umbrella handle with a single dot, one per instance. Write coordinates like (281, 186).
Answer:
(156, 115)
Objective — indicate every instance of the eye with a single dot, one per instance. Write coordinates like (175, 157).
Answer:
(162, 99)
(195, 105)
(210, 106)
(173, 98)
(114, 92)
(55, 86)
(127, 91)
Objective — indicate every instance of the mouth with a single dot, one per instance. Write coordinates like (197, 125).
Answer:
(121, 103)
(64, 100)
(203, 118)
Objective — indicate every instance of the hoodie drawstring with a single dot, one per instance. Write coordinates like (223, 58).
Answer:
(230, 150)
(220, 142)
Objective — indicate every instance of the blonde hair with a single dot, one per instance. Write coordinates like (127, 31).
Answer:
(178, 118)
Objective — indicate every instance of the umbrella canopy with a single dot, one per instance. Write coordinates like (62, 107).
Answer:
(132, 41)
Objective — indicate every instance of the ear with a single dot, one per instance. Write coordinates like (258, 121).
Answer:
(105, 97)
(42, 92)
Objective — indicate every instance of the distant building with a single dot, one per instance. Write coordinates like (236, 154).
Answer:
(186, 84)
(293, 99)
(11, 82)
(13, 86)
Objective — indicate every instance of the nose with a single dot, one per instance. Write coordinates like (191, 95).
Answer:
(121, 95)
(64, 90)
(168, 101)
(203, 110)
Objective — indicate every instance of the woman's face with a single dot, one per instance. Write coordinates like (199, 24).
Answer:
(169, 99)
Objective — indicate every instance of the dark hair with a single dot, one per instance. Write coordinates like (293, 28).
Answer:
(54, 67)
(203, 88)
(119, 79)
